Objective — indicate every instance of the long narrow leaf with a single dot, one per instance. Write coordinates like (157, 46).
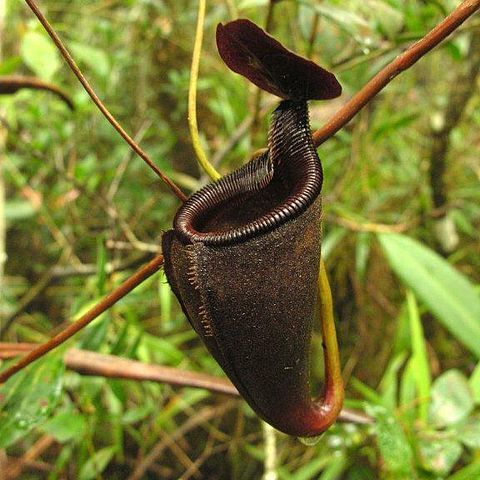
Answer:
(421, 368)
(447, 293)
(28, 398)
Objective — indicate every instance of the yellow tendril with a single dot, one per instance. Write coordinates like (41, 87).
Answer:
(329, 336)
(192, 97)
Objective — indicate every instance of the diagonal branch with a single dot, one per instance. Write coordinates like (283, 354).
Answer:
(74, 67)
(136, 279)
(110, 366)
(404, 61)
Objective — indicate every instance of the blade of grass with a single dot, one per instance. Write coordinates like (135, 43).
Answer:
(408, 394)
(419, 360)
(389, 383)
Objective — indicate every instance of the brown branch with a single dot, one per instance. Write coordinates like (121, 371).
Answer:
(400, 64)
(110, 366)
(104, 304)
(90, 363)
(76, 70)
(12, 83)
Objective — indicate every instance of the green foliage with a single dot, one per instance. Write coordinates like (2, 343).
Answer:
(77, 201)
(423, 428)
(27, 399)
(40, 55)
(65, 426)
(467, 473)
(475, 384)
(452, 400)
(96, 464)
(419, 360)
(394, 448)
(446, 292)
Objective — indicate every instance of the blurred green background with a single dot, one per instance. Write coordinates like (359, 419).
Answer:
(401, 240)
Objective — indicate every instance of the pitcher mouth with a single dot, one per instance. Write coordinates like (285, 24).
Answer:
(265, 193)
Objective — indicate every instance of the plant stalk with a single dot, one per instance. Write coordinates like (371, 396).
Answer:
(96, 100)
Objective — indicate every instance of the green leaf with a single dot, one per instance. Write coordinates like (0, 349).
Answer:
(393, 445)
(475, 383)
(368, 393)
(408, 392)
(65, 426)
(394, 123)
(97, 463)
(64, 456)
(452, 399)
(439, 455)
(389, 19)
(97, 60)
(467, 473)
(419, 360)
(310, 469)
(163, 351)
(389, 383)
(402, 341)
(246, 4)
(469, 433)
(95, 333)
(9, 65)
(362, 251)
(346, 20)
(40, 54)
(331, 240)
(189, 398)
(18, 210)
(101, 265)
(29, 397)
(335, 468)
(447, 293)
(136, 414)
